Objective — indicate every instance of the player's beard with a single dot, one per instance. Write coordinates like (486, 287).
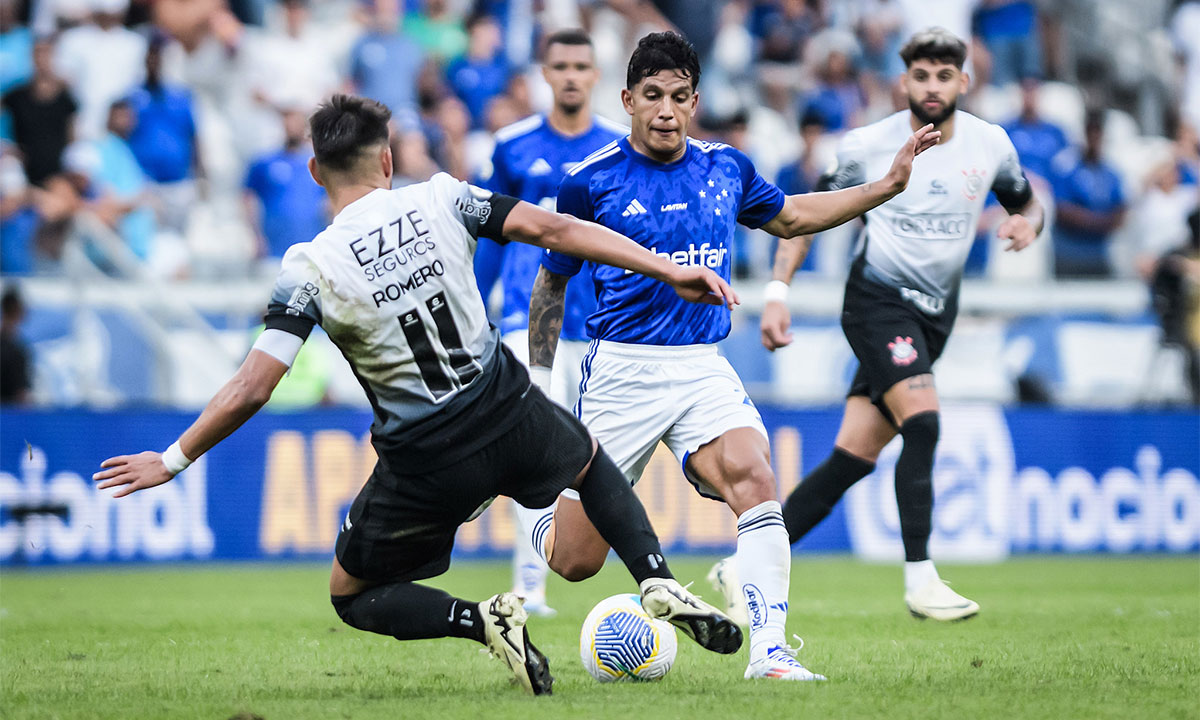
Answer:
(925, 117)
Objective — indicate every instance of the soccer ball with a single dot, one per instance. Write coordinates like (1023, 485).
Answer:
(619, 641)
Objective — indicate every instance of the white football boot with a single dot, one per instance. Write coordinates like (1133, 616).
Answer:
(666, 599)
(937, 601)
(508, 641)
(723, 577)
(780, 664)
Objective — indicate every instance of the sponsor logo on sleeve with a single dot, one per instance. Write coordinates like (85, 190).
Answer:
(301, 297)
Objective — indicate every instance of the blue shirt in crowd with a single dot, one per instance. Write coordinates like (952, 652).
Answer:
(476, 82)
(293, 205)
(164, 132)
(686, 211)
(1091, 185)
(1037, 143)
(384, 67)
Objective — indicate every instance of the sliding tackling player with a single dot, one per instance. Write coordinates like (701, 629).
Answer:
(456, 419)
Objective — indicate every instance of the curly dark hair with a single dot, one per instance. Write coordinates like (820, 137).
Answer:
(663, 51)
(936, 44)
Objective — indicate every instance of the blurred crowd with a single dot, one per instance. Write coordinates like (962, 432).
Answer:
(167, 137)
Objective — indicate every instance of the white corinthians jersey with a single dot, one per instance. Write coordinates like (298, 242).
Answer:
(920, 239)
(391, 282)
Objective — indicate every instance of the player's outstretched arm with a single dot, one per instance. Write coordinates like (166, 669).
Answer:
(235, 403)
(564, 234)
(816, 212)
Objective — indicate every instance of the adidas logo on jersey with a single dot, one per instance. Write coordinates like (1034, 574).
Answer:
(634, 208)
(539, 167)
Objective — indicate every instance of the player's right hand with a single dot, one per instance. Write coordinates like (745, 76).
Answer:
(776, 322)
(701, 285)
(131, 473)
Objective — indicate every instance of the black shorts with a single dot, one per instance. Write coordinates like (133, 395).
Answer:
(892, 338)
(401, 526)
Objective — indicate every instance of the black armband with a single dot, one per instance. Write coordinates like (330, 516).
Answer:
(493, 227)
(1012, 189)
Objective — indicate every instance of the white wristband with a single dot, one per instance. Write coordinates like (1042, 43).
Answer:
(540, 375)
(776, 291)
(174, 459)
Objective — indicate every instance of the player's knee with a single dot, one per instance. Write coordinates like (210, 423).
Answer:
(921, 430)
(342, 605)
(574, 569)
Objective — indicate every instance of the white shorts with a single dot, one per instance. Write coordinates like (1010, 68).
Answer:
(632, 396)
(564, 377)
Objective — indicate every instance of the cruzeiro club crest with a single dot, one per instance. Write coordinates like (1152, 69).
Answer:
(972, 183)
(903, 352)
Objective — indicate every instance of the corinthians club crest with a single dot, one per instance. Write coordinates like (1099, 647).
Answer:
(972, 183)
(903, 352)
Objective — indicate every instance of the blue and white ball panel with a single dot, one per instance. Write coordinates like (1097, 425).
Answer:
(632, 396)
(619, 641)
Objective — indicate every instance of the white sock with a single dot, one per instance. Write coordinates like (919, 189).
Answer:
(764, 563)
(917, 575)
(529, 558)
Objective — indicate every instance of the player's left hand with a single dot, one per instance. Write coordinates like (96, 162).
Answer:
(1018, 231)
(701, 285)
(917, 143)
(131, 473)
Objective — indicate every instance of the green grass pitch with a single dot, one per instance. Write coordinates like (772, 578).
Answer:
(1058, 637)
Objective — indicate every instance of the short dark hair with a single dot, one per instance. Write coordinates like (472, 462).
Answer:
(663, 51)
(344, 126)
(936, 44)
(11, 303)
(570, 36)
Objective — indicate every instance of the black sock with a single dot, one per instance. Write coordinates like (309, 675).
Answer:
(408, 611)
(914, 484)
(814, 498)
(618, 515)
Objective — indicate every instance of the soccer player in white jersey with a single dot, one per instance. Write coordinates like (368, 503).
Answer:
(456, 419)
(902, 298)
(530, 160)
(653, 372)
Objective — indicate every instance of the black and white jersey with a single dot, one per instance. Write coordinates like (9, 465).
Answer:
(920, 239)
(391, 282)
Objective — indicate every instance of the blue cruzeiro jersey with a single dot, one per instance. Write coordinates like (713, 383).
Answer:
(684, 211)
(530, 160)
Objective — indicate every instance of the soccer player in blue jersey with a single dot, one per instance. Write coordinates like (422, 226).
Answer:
(531, 158)
(652, 371)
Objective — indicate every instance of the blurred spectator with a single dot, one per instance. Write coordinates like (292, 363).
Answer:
(16, 48)
(296, 67)
(438, 30)
(453, 124)
(482, 73)
(801, 176)
(1171, 195)
(1185, 32)
(783, 27)
(880, 25)
(16, 381)
(837, 98)
(18, 220)
(1037, 140)
(283, 203)
(164, 139)
(101, 60)
(384, 63)
(42, 114)
(1175, 289)
(411, 162)
(118, 188)
(1009, 31)
(1091, 204)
